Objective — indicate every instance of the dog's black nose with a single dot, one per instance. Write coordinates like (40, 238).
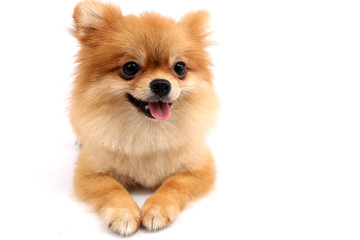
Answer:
(160, 87)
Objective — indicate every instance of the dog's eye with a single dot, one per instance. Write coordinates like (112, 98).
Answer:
(129, 70)
(180, 69)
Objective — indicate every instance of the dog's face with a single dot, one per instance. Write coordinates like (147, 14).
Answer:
(141, 68)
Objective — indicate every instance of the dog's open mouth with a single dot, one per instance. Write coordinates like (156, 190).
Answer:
(157, 110)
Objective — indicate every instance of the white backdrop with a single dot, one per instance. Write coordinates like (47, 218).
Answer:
(287, 145)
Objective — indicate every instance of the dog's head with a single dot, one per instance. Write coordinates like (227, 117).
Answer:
(141, 68)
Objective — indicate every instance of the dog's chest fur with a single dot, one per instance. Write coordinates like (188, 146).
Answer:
(147, 170)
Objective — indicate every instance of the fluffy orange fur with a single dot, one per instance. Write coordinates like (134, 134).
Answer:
(123, 148)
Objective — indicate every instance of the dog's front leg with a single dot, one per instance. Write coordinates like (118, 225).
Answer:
(109, 198)
(169, 199)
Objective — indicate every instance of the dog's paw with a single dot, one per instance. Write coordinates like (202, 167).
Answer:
(156, 215)
(124, 221)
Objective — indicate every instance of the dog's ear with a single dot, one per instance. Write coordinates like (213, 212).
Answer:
(197, 24)
(90, 17)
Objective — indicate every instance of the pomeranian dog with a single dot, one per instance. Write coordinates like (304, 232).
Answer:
(142, 104)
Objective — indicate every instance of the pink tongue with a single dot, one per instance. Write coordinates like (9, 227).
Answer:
(160, 110)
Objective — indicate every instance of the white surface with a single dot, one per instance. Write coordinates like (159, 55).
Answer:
(287, 146)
